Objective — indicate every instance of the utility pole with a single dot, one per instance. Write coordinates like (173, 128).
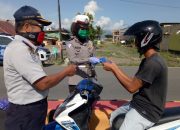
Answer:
(60, 36)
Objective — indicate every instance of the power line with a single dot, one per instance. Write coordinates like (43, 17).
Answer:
(150, 4)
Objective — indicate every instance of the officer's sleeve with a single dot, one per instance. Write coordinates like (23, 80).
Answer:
(72, 55)
(149, 72)
(27, 66)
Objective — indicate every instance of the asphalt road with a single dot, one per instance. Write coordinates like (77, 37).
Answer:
(112, 89)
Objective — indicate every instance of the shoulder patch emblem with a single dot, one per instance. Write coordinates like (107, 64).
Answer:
(69, 45)
(34, 57)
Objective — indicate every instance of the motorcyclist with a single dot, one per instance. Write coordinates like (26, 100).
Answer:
(149, 84)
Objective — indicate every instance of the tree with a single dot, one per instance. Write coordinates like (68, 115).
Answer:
(108, 36)
(94, 32)
(99, 32)
(91, 19)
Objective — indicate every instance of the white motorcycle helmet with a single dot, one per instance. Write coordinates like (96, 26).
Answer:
(80, 27)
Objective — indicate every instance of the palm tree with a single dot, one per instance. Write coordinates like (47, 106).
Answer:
(99, 32)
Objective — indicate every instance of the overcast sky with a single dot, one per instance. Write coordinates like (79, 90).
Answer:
(109, 14)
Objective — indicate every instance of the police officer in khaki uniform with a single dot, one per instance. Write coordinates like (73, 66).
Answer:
(79, 50)
(26, 82)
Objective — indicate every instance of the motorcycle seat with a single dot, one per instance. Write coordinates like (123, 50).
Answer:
(170, 114)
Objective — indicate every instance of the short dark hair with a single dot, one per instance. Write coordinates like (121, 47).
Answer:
(19, 25)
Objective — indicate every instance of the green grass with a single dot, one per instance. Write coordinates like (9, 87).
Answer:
(128, 56)
(173, 60)
(174, 42)
(124, 55)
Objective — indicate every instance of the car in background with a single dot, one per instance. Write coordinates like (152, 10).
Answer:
(64, 45)
(5, 39)
(44, 54)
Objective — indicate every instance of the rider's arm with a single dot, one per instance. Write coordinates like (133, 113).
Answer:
(130, 84)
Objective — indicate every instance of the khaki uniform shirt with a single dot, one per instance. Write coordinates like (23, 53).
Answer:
(79, 53)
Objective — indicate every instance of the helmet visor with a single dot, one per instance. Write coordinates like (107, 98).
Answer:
(130, 38)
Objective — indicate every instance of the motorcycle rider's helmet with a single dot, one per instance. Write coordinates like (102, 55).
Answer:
(80, 27)
(147, 34)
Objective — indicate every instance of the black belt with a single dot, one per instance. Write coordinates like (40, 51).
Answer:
(33, 103)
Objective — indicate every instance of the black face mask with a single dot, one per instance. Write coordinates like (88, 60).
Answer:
(36, 37)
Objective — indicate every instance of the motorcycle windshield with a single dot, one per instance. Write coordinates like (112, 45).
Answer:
(91, 86)
(63, 106)
(85, 90)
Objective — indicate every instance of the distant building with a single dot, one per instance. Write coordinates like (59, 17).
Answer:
(171, 36)
(52, 37)
(7, 26)
(118, 35)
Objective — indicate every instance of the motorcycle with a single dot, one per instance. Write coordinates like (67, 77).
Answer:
(68, 113)
(75, 111)
(169, 121)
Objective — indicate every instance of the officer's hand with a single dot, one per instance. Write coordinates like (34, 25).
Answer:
(71, 69)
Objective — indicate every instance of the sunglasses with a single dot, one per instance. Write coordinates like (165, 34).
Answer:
(39, 25)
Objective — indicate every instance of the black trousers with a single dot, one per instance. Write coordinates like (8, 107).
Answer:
(26, 117)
